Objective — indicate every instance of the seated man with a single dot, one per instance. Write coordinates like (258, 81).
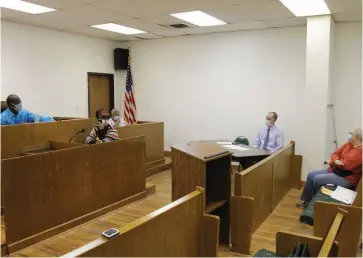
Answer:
(345, 169)
(116, 120)
(270, 137)
(15, 114)
(103, 131)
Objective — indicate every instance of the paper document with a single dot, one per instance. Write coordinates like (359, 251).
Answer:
(344, 195)
(234, 147)
(224, 143)
(326, 191)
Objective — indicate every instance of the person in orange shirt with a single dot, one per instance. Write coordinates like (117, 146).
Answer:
(345, 168)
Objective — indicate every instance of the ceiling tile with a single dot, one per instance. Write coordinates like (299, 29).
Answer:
(147, 36)
(58, 4)
(288, 22)
(45, 21)
(150, 8)
(167, 20)
(12, 14)
(253, 25)
(339, 6)
(85, 15)
(170, 33)
(142, 25)
(347, 17)
(93, 32)
(250, 11)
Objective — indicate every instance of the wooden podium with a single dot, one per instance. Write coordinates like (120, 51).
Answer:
(207, 165)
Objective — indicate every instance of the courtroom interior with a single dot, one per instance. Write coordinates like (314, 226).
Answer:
(181, 128)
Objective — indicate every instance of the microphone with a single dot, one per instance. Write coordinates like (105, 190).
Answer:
(82, 131)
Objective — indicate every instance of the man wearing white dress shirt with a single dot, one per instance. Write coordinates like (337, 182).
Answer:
(270, 137)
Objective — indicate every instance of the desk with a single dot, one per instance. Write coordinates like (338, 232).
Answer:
(246, 158)
(191, 168)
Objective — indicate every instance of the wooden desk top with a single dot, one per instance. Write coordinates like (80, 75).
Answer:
(251, 152)
(201, 149)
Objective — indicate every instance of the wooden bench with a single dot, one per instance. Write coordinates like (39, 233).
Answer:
(48, 193)
(257, 192)
(16, 137)
(177, 230)
(336, 231)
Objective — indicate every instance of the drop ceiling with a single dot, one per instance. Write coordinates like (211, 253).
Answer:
(76, 16)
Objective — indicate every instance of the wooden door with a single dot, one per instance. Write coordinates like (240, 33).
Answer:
(100, 92)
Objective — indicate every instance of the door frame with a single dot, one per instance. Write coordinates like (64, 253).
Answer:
(111, 86)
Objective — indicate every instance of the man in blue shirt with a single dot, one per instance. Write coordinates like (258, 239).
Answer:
(270, 138)
(15, 114)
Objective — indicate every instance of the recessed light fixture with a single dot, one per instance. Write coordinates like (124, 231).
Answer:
(198, 18)
(306, 7)
(118, 28)
(26, 7)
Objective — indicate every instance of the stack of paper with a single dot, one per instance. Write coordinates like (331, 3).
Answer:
(234, 147)
(224, 143)
(344, 195)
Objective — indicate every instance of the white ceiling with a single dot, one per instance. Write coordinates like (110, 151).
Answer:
(152, 15)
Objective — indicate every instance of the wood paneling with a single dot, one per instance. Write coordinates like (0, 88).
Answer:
(282, 174)
(154, 138)
(349, 233)
(57, 187)
(257, 183)
(210, 236)
(266, 183)
(242, 214)
(358, 199)
(187, 173)
(285, 217)
(296, 171)
(286, 242)
(15, 137)
(84, 234)
(172, 231)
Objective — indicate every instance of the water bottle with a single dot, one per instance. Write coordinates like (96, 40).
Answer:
(36, 118)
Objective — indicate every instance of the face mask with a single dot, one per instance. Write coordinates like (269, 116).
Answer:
(268, 123)
(18, 107)
(350, 138)
(116, 118)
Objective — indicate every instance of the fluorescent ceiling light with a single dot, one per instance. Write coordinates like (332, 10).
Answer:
(198, 18)
(23, 6)
(118, 28)
(306, 7)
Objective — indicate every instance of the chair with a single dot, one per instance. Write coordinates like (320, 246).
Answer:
(241, 140)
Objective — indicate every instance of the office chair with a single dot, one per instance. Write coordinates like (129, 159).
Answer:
(241, 140)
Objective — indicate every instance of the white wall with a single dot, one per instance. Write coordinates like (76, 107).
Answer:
(48, 68)
(347, 87)
(221, 86)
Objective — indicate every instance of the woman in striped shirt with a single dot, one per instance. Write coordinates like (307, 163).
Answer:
(102, 131)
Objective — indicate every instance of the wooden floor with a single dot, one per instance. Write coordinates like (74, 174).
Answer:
(285, 217)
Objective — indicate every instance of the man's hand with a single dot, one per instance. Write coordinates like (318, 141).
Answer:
(339, 162)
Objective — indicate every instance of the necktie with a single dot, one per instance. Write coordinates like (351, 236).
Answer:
(266, 139)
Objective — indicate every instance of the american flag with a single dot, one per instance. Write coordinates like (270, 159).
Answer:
(130, 104)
